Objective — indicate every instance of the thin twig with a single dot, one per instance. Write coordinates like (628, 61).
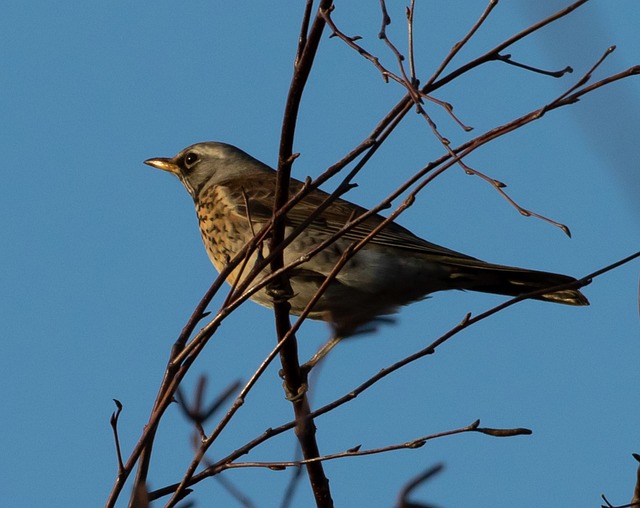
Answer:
(460, 44)
(587, 75)
(492, 54)
(114, 425)
(412, 61)
(357, 451)
(554, 74)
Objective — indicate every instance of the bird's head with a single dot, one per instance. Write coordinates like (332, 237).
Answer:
(203, 164)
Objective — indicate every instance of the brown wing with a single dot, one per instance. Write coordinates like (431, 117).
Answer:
(332, 219)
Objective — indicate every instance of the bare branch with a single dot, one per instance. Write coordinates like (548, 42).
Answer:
(492, 54)
(554, 74)
(114, 425)
(461, 43)
(355, 451)
(412, 61)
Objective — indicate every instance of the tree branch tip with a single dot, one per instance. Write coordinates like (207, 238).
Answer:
(520, 431)
(611, 48)
(636, 456)
(113, 420)
(355, 449)
(293, 157)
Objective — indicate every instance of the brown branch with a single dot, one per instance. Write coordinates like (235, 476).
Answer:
(356, 451)
(461, 43)
(294, 379)
(587, 75)
(496, 184)
(114, 426)
(493, 54)
(412, 61)
(351, 42)
(554, 74)
(404, 104)
(409, 83)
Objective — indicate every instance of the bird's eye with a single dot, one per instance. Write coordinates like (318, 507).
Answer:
(190, 159)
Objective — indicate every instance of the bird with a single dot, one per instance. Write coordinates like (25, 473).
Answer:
(234, 195)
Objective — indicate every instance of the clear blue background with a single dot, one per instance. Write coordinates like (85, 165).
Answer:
(102, 262)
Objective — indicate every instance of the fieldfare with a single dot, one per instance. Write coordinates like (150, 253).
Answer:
(233, 195)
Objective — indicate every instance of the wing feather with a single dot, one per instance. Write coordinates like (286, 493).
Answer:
(335, 216)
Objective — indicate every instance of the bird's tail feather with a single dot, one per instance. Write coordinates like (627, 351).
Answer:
(475, 275)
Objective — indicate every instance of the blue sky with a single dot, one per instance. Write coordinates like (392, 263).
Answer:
(103, 262)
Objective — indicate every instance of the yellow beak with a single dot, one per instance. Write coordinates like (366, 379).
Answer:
(164, 164)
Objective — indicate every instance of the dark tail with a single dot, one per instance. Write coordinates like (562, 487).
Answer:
(506, 280)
